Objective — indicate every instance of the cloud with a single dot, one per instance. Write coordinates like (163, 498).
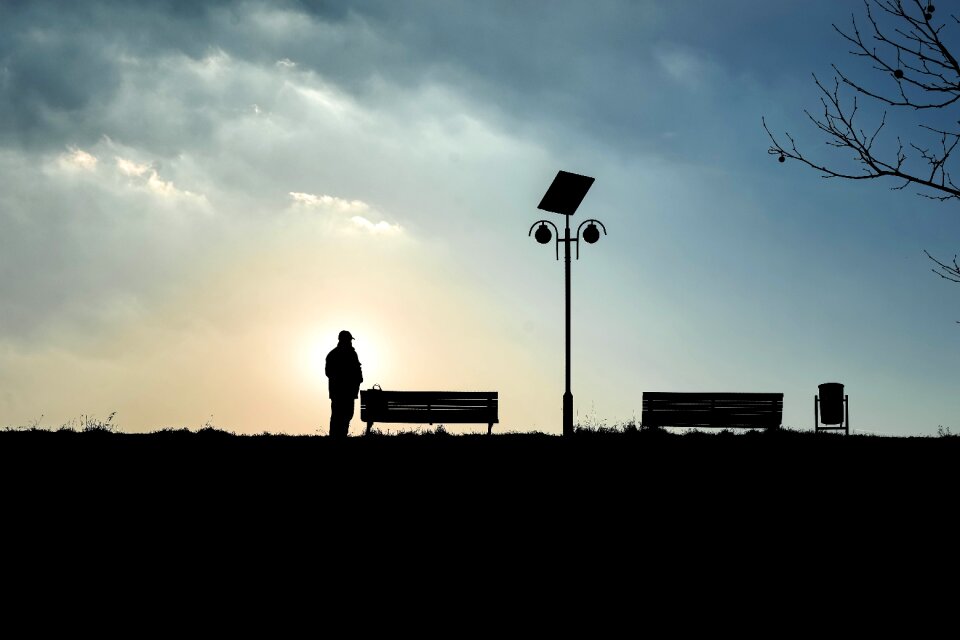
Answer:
(684, 67)
(148, 177)
(80, 247)
(126, 176)
(139, 175)
(173, 120)
(382, 227)
(341, 208)
(328, 203)
(130, 168)
(76, 158)
(572, 64)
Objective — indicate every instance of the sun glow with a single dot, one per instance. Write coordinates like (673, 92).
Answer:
(314, 358)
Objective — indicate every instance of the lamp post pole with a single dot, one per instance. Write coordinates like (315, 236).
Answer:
(567, 394)
(563, 197)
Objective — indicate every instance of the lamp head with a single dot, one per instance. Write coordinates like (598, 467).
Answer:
(543, 234)
(591, 234)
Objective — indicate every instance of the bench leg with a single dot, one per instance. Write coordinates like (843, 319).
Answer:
(816, 414)
(369, 426)
(489, 428)
(846, 421)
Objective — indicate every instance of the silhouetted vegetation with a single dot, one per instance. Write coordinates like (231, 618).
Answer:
(613, 467)
(623, 432)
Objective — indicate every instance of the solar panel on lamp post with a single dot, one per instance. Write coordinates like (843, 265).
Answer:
(564, 197)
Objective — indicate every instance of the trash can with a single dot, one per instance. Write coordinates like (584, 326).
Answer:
(831, 403)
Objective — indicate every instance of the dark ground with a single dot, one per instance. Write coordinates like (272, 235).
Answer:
(638, 464)
(691, 516)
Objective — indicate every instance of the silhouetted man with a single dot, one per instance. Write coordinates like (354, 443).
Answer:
(343, 370)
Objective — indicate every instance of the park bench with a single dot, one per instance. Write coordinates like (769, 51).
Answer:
(751, 410)
(429, 407)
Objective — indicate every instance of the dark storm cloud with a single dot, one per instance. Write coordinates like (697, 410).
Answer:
(601, 69)
(60, 61)
(591, 67)
(524, 63)
(597, 69)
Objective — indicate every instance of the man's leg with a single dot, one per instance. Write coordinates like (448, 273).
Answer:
(347, 414)
(336, 419)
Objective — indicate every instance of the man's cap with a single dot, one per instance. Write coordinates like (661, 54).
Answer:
(344, 335)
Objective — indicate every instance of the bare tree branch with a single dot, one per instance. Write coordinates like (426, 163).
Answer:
(925, 75)
(907, 47)
(839, 126)
(946, 271)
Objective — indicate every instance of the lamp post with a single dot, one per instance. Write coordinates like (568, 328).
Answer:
(564, 196)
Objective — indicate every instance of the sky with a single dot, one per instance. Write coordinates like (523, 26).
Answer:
(196, 197)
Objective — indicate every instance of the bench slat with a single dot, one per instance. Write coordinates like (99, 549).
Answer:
(680, 419)
(708, 407)
(427, 396)
(700, 396)
(446, 403)
(430, 417)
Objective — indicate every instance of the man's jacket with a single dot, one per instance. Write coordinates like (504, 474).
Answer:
(343, 370)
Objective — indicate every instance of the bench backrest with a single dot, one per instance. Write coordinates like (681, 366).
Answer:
(425, 407)
(662, 409)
